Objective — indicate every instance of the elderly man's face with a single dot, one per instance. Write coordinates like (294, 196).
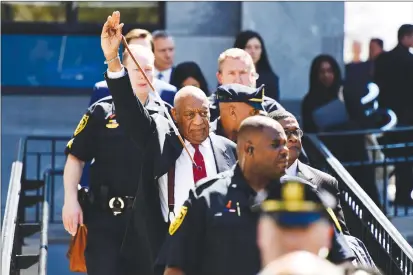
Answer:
(293, 133)
(192, 116)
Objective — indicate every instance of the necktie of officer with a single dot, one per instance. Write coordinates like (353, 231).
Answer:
(200, 170)
(160, 76)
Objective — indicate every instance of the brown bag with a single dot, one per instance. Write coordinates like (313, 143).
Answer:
(76, 252)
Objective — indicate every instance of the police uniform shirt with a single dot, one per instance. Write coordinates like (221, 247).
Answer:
(215, 232)
(99, 139)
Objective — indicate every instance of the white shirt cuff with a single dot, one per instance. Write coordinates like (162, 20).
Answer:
(114, 75)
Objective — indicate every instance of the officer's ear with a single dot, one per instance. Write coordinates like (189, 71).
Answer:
(248, 148)
(232, 112)
(174, 116)
(219, 77)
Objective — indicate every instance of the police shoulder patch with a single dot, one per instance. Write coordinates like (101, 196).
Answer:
(81, 125)
(178, 220)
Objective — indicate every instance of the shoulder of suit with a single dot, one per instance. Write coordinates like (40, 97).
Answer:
(271, 104)
(213, 184)
(226, 141)
(319, 173)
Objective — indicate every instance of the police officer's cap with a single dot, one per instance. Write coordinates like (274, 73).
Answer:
(297, 203)
(241, 93)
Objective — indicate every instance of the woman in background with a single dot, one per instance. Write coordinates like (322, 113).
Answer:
(325, 86)
(189, 73)
(253, 43)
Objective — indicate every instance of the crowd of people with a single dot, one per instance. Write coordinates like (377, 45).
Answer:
(185, 181)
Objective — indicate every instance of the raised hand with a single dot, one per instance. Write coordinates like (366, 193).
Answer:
(111, 36)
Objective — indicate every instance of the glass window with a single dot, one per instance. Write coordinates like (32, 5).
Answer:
(131, 12)
(33, 11)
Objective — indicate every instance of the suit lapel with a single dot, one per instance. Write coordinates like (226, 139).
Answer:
(222, 159)
(304, 172)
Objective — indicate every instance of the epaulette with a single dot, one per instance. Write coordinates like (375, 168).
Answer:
(106, 99)
(204, 183)
(107, 108)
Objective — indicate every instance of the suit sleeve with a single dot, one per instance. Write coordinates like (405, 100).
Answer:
(338, 211)
(130, 112)
(340, 251)
(82, 145)
(184, 244)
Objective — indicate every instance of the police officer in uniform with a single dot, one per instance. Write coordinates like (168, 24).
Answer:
(114, 177)
(215, 232)
(236, 102)
(298, 215)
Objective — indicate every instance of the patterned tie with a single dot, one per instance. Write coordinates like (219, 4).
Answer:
(200, 170)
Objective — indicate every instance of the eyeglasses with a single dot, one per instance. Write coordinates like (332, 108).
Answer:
(297, 132)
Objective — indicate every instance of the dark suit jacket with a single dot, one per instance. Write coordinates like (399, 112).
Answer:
(154, 136)
(326, 182)
(393, 74)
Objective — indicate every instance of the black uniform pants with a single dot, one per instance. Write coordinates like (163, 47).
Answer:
(104, 240)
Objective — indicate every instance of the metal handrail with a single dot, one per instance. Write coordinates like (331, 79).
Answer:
(363, 197)
(11, 237)
(364, 132)
(42, 270)
(10, 217)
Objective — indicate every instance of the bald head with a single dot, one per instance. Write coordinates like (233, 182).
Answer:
(191, 114)
(189, 92)
(261, 147)
(139, 52)
(256, 124)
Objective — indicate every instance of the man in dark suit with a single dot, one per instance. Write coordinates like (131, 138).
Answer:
(158, 197)
(236, 66)
(394, 76)
(297, 168)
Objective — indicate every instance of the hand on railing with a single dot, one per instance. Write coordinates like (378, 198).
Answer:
(72, 215)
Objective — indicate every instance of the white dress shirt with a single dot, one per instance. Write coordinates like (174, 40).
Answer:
(292, 170)
(184, 180)
(166, 75)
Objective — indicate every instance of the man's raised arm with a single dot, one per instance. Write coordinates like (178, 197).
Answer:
(130, 112)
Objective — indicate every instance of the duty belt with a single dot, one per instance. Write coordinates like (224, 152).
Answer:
(119, 204)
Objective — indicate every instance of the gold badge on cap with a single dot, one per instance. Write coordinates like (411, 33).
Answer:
(293, 191)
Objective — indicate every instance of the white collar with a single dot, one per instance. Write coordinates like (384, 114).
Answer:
(205, 143)
(292, 170)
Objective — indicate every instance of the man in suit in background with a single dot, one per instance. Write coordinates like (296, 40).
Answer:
(297, 168)
(164, 50)
(158, 197)
(144, 38)
(394, 75)
(236, 66)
